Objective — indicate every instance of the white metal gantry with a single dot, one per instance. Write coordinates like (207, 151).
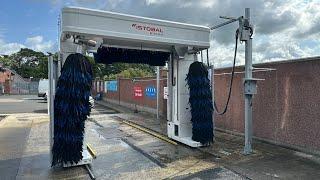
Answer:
(84, 30)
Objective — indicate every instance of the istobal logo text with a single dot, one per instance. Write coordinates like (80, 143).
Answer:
(152, 30)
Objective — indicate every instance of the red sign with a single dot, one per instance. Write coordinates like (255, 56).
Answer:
(137, 91)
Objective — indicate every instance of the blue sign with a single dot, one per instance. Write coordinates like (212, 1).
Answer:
(112, 85)
(151, 91)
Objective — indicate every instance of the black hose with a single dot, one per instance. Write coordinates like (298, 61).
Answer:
(231, 80)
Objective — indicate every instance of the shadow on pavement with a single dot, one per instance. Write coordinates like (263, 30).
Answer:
(41, 111)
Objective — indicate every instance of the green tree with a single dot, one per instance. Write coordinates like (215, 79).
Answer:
(27, 63)
(112, 71)
(6, 61)
(30, 63)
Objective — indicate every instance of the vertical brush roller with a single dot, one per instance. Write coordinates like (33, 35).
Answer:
(71, 109)
(201, 103)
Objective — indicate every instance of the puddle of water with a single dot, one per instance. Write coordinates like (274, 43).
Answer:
(123, 144)
(224, 152)
(97, 134)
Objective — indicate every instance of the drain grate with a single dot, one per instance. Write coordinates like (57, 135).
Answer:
(151, 158)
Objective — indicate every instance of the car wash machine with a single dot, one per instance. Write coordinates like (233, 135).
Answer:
(127, 38)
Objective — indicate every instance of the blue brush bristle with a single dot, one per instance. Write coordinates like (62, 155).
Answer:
(201, 103)
(109, 55)
(71, 109)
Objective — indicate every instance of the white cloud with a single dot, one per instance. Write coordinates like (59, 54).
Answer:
(283, 29)
(222, 55)
(150, 2)
(34, 40)
(9, 48)
(279, 47)
(36, 43)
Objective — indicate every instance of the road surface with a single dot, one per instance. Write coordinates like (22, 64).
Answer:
(22, 104)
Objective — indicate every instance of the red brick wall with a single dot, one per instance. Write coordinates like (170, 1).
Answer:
(7, 87)
(286, 109)
(125, 93)
(5, 76)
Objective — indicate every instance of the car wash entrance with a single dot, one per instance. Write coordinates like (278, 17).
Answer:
(114, 37)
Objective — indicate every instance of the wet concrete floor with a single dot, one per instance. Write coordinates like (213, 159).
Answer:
(267, 162)
(123, 152)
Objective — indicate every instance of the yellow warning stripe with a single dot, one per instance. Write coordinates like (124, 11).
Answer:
(155, 134)
(92, 151)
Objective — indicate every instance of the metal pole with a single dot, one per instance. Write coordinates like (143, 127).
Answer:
(169, 86)
(248, 97)
(133, 97)
(158, 90)
(50, 101)
(212, 92)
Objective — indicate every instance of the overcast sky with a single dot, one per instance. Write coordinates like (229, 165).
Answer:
(284, 29)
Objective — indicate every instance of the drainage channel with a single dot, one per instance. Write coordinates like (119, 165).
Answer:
(162, 137)
(157, 161)
(136, 148)
(154, 160)
(95, 122)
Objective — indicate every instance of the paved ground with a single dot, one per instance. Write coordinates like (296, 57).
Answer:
(123, 152)
(268, 161)
(14, 135)
(127, 153)
(22, 104)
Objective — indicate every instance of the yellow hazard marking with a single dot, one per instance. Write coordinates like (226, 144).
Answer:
(92, 151)
(155, 134)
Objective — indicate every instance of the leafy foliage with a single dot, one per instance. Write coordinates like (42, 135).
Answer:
(30, 63)
(112, 71)
(27, 63)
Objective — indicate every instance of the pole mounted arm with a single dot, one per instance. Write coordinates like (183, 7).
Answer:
(245, 29)
(245, 32)
(223, 24)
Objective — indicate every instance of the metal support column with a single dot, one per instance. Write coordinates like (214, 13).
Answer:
(248, 97)
(250, 84)
(51, 101)
(158, 91)
(212, 92)
(169, 86)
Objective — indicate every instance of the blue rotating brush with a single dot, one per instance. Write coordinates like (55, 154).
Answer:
(201, 103)
(71, 109)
